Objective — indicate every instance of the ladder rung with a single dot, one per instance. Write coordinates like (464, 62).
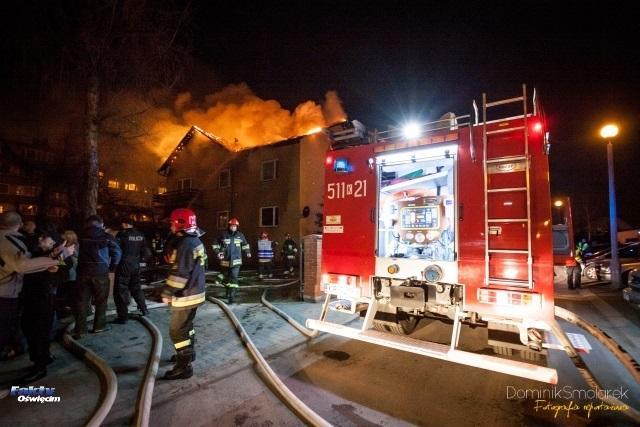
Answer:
(516, 282)
(506, 190)
(508, 251)
(506, 159)
(508, 220)
(492, 132)
(504, 101)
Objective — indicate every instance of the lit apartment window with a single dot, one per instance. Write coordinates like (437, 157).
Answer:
(113, 184)
(223, 219)
(162, 190)
(26, 190)
(224, 179)
(30, 210)
(100, 174)
(4, 188)
(269, 170)
(269, 216)
(5, 207)
(130, 187)
(184, 184)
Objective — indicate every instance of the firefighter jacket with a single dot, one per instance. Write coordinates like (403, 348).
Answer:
(231, 245)
(99, 252)
(265, 250)
(289, 249)
(134, 248)
(185, 284)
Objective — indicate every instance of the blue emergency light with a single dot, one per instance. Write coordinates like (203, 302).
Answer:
(341, 165)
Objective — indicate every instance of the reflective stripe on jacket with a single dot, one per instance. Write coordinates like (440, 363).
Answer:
(185, 284)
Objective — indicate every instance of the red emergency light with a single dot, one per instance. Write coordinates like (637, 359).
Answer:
(537, 127)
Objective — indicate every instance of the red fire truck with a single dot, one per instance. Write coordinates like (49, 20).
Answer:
(448, 220)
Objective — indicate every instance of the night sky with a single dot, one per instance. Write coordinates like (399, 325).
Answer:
(393, 61)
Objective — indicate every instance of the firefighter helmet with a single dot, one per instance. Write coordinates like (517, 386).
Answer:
(234, 221)
(183, 219)
(264, 235)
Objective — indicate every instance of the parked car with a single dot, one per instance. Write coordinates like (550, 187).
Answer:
(632, 292)
(598, 266)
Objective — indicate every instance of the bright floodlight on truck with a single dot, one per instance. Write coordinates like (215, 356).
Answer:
(411, 130)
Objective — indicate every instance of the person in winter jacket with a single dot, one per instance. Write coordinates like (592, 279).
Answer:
(99, 254)
(184, 290)
(229, 248)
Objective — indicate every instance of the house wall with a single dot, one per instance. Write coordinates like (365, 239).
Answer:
(299, 183)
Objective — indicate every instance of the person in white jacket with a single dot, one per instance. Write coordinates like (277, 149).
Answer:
(15, 261)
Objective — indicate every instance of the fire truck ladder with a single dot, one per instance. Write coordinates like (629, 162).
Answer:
(506, 163)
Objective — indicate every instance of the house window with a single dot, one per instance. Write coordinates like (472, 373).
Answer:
(223, 219)
(4, 188)
(224, 179)
(26, 190)
(30, 210)
(130, 187)
(269, 170)
(184, 184)
(61, 197)
(5, 207)
(14, 170)
(162, 190)
(113, 184)
(269, 216)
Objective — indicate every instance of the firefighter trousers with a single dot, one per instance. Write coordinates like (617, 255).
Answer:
(128, 285)
(181, 328)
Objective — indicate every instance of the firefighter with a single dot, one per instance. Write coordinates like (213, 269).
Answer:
(228, 249)
(184, 289)
(574, 267)
(265, 256)
(289, 252)
(127, 280)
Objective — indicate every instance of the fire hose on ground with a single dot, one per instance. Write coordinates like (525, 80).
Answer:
(299, 407)
(625, 359)
(145, 392)
(108, 379)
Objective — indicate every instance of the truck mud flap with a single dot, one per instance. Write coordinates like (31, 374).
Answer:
(440, 351)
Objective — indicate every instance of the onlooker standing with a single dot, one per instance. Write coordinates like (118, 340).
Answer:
(29, 235)
(265, 256)
(289, 252)
(38, 298)
(99, 254)
(16, 261)
(127, 282)
(67, 291)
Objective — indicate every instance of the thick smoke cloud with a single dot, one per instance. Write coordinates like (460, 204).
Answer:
(240, 118)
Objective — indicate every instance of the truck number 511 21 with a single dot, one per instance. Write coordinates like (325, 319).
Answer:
(341, 190)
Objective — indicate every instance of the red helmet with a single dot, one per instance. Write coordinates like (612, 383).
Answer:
(183, 219)
(264, 235)
(234, 221)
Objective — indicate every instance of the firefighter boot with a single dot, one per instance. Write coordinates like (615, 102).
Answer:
(182, 368)
(232, 295)
(192, 346)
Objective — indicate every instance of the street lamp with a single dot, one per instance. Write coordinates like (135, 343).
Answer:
(607, 132)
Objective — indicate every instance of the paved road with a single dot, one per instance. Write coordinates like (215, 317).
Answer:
(350, 383)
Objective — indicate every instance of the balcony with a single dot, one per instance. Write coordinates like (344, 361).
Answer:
(179, 198)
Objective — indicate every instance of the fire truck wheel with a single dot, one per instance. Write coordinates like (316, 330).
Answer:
(402, 326)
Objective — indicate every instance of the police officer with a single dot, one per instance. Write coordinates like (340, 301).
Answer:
(184, 289)
(127, 280)
(289, 252)
(228, 249)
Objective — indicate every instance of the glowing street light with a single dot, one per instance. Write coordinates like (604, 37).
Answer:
(607, 132)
